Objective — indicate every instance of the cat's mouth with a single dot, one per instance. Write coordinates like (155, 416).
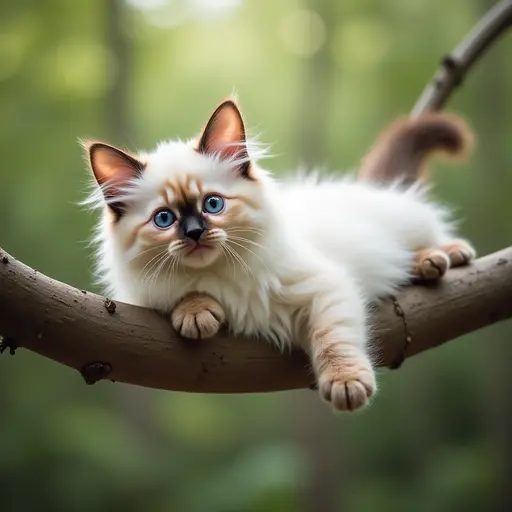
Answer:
(198, 248)
(200, 254)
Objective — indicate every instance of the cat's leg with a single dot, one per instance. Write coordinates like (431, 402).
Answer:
(338, 346)
(198, 316)
(431, 264)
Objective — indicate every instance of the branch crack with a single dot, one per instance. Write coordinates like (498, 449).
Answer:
(400, 358)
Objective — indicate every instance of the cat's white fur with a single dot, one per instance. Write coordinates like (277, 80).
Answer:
(318, 253)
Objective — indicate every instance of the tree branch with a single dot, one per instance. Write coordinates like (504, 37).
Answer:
(456, 65)
(103, 339)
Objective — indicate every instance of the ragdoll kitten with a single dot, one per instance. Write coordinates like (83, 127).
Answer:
(199, 231)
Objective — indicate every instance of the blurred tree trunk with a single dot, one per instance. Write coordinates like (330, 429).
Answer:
(120, 69)
(315, 88)
(318, 432)
(133, 403)
(493, 95)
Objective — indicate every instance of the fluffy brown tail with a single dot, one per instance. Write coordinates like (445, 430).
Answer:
(403, 148)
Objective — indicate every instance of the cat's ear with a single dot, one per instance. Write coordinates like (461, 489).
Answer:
(114, 170)
(224, 135)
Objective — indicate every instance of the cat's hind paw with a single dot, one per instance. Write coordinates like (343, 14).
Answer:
(347, 389)
(198, 316)
(430, 265)
(460, 253)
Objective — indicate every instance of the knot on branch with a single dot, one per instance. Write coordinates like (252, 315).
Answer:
(8, 343)
(110, 306)
(93, 372)
(454, 68)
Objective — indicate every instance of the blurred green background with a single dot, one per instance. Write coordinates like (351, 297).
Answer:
(317, 79)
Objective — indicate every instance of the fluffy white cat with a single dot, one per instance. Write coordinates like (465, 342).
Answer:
(198, 230)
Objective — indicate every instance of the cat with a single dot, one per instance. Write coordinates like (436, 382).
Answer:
(198, 230)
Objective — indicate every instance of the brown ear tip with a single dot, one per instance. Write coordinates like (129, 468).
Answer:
(232, 100)
(90, 146)
(229, 102)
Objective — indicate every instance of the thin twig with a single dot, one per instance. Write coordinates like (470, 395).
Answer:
(455, 66)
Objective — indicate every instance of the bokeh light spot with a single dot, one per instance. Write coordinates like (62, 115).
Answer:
(302, 32)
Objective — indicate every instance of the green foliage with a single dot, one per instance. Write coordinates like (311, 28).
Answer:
(437, 436)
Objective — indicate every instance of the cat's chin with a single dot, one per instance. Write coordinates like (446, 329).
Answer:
(200, 258)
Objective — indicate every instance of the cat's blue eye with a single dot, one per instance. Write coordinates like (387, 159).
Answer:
(164, 218)
(213, 204)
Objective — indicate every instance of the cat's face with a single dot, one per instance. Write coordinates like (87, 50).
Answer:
(187, 205)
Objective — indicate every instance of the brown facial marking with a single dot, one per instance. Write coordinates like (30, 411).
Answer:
(134, 234)
(233, 216)
(152, 237)
(188, 181)
(165, 196)
(182, 191)
(244, 199)
(113, 216)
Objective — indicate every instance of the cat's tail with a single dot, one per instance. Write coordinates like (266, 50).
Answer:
(402, 150)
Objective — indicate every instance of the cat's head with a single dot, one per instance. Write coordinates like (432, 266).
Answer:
(193, 203)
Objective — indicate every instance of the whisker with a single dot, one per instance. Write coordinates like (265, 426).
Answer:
(249, 250)
(239, 258)
(153, 278)
(161, 265)
(241, 239)
(146, 251)
(150, 277)
(152, 260)
(230, 252)
(170, 269)
(229, 258)
(245, 230)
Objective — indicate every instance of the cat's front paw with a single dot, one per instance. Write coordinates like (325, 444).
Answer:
(198, 316)
(347, 387)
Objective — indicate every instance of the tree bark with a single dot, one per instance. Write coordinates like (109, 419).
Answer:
(126, 343)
